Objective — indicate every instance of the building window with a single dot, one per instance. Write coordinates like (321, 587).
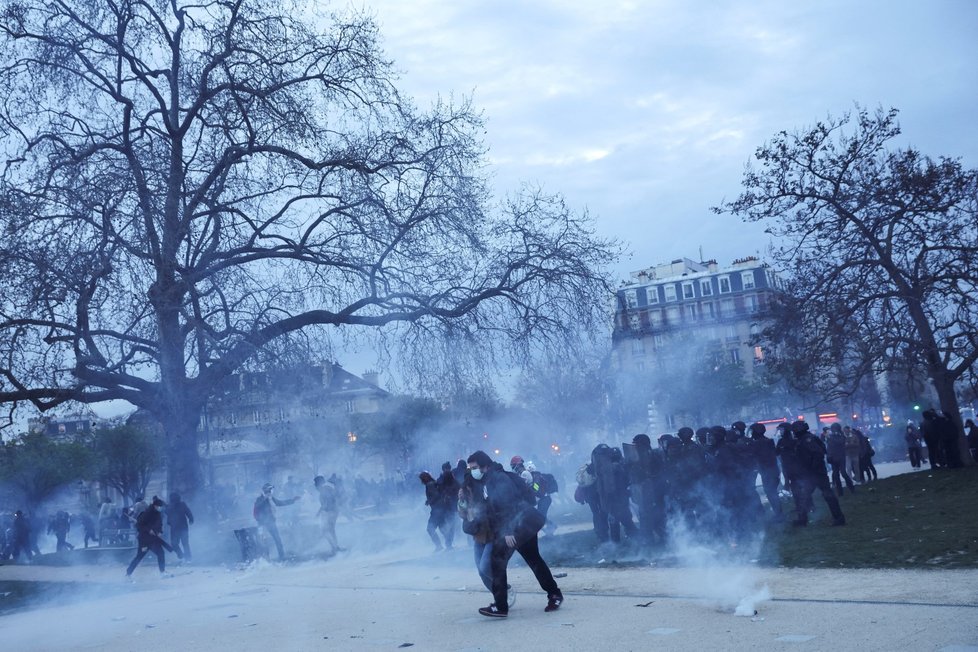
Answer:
(658, 341)
(640, 365)
(747, 278)
(672, 315)
(670, 292)
(735, 355)
(688, 291)
(706, 287)
(631, 298)
(731, 332)
(724, 284)
(633, 321)
(709, 310)
(655, 317)
(752, 304)
(351, 407)
(652, 294)
(638, 347)
(691, 312)
(727, 307)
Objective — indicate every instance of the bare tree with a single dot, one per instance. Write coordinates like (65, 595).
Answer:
(881, 250)
(188, 183)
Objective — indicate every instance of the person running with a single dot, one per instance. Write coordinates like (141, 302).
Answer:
(149, 528)
(513, 526)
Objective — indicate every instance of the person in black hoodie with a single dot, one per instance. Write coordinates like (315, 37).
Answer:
(149, 529)
(180, 518)
(513, 527)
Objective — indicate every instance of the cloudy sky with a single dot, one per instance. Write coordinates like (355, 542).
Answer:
(645, 112)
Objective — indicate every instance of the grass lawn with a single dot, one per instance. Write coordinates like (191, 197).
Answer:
(926, 519)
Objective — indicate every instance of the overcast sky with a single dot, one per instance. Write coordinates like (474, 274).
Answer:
(646, 112)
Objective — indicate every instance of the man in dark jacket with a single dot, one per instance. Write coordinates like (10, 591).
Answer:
(149, 528)
(180, 518)
(512, 527)
(448, 495)
(264, 513)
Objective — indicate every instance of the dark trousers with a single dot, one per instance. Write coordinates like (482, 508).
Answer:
(915, 456)
(141, 551)
(808, 485)
(867, 471)
(839, 469)
(530, 552)
(21, 545)
(180, 540)
(770, 479)
(272, 528)
(63, 542)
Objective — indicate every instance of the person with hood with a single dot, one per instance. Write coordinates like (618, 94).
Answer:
(513, 526)
(448, 493)
(264, 513)
(149, 529)
(435, 500)
(180, 518)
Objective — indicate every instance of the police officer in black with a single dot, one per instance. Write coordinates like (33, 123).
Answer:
(810, 454)
(766, 459)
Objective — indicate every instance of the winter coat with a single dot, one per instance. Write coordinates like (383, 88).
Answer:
(179, 516)
(149, 525)
(507, 497)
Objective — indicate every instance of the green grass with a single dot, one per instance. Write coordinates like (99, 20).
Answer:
(927, 519)
(920, 520)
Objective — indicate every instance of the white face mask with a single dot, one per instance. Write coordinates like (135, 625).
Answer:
(477, 473)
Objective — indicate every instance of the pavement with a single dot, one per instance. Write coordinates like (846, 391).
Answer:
(410, 599)
(379, 597)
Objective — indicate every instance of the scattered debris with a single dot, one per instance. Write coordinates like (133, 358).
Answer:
(640, 604)
(757, 619)
(559, 575)
(406, 645)
(233, 616)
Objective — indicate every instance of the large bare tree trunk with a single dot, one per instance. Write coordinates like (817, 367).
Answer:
(950, 407)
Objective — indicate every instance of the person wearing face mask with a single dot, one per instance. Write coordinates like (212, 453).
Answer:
(149, 528)
(264, 513)
(513, 526)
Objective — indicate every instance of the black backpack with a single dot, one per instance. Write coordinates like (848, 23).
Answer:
(547, 482)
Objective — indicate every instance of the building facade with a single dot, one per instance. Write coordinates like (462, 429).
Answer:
(696, 313)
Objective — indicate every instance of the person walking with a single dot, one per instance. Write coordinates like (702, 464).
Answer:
(328, 511)
(264, 513)
(810, 455)
(149, 528)
(21, 537)
(513, 526)
(912, 437)
(435, 500)
(180, 518)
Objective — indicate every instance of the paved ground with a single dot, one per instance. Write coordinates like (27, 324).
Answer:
(406, 599)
